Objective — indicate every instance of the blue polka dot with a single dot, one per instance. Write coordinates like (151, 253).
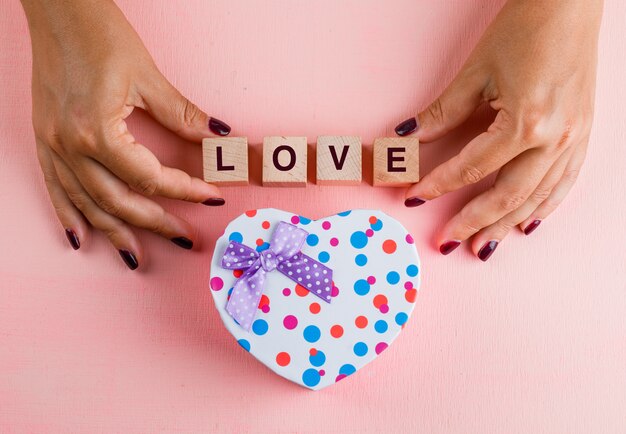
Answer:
(393, 277)
(235, 236)
(381, 326)
(361, 287)
(312, 240)
(412, 270)
(311, 334)
(311, 377)
(259, 327)
(304, 220)
(318, 359)
(378, 225)
(360, 349)
(244, 344)
(345, 213)
(262, 247)
(401, 318)
(360, 260)
(230, 291)
(323, 257)
(358, 239)
(347, 369)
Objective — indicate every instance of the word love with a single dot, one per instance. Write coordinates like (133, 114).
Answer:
(339, 161)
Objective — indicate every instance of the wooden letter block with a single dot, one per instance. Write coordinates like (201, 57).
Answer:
(338, 160)
(225, 160)
(396, 161)
(284, 161)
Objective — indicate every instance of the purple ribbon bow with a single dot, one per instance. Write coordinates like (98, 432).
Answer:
(283, 255)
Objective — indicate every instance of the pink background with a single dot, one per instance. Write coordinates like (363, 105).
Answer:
(532, 341)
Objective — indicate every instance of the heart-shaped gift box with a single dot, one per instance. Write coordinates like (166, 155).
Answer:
(315, 335)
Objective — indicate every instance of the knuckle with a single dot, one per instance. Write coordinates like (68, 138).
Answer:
(435, 110)
(541, 194)
(110, 206)
(157, 225)
(148, 186)
(79, 199)
(471, 174)
(190, 113)
(512, 201)
(570, 175)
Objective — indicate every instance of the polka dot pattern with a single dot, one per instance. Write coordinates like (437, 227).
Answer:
(376, 277)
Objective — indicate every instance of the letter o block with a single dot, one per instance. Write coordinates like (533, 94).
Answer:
(225, 160)
(284, 161)
(396, 161)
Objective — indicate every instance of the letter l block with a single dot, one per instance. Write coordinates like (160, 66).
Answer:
(225, 160)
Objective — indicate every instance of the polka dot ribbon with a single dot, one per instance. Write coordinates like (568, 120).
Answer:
(283, 255)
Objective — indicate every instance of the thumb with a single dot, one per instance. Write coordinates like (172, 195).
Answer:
(457, 102)
(175, 112)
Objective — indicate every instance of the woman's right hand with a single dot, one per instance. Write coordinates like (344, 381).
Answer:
(90, 70)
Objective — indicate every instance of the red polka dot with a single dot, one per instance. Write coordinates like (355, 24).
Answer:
(373, 220)
(410, 295)
(379, 300)
(326, 225)
(334, 242)
(301, 291)
(314, 307)
(265, 225)
(295, 220)
(371, 280)
(283, 359)
(264, 301)
(216, 283)
(251, 213)
(361, 322)
(237, 273)
(312, 351)
(389, 246)
(336, 331)
(259, 241)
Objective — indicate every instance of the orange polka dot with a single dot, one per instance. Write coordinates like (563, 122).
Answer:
(336, 331)
(301, 291)
(389, 246)
(314, 308)
(264, 300)
(283, 359)
(251, 213)
(237, 273)
(361, 322)
(379, 300)
(410, 295)
(373, 220)
(265, 224)
(312, 351)
(259, 241)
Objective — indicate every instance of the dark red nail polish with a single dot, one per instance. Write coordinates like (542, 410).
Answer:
(412, 202)
(129, 259)
(218, 127)
(214, 201)
(407, 127)
(183, 242)
(487, 250)
(531, 227)
(72, 238)
(447, 247)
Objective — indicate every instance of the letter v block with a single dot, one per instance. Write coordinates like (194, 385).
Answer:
(284, 161)
(225, 160)
(396, 161)
(339, 160)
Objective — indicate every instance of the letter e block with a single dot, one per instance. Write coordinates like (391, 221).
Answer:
(225, 160)
(396, 161)
(284, 161)
(339, 160)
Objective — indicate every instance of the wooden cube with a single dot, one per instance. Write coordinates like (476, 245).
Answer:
(339, 160)
(284, 161)
(225, 160)
(396, 161)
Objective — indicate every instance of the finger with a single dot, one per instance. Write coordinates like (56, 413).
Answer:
(118, 233)
(484, 155)
(175, 112)
(115, 198)
(70, 217)
(139, 168)
(560, 191)
(499, 230)
(513, 186)
(457, 102)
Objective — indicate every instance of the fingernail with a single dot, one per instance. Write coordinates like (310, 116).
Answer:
(412, 202)
(129, 259)
(487, 250)
(214, 201)
(72, 238)
(447, 247)
(218, 127)
(531, 227)
(407, 127)
(183, 242)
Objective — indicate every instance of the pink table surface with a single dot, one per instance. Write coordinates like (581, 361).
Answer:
(532, 341)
